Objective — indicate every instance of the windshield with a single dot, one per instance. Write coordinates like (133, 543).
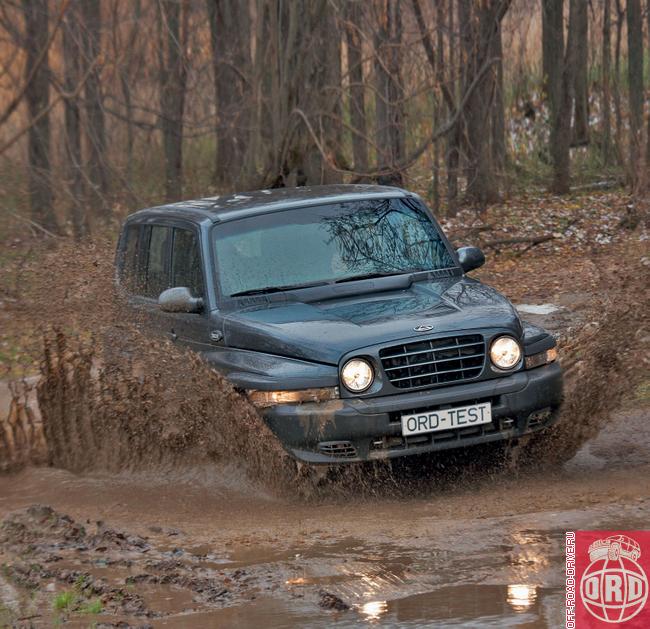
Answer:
(325, 244)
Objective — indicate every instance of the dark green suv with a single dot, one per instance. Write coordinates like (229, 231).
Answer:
(346, 316)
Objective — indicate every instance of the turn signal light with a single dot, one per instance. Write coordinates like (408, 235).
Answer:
(543, 358)
(263, 399)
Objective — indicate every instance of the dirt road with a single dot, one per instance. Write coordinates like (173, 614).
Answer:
(208, 549)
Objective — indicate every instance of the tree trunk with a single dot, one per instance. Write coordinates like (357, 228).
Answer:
(553, 50)
(635, 82)
(172, 96)
(72, 53)
(389, 105)
(480, 23)
(620, 15)
(128, 76)
(37, 95)
(438, 106)
(498, 107)
(561, 123)
(327, 83)
(230, 43)
(97, 171)
(453, 140)
(581, 110)
(357, 91)
(606, 70)
(648, 133)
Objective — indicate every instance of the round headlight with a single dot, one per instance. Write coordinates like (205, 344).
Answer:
(357, 375)
(505, 352)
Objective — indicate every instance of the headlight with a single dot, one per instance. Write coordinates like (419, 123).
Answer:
(357, 375)
(505, 352)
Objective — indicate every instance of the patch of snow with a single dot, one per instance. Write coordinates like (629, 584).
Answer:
(539, 309)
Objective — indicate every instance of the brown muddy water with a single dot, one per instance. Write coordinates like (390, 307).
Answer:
(207, 548)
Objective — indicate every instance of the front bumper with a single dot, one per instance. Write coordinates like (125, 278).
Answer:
(354, 430)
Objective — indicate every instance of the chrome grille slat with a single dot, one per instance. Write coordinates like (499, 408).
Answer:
(444, 361)
(426, 351)
(432, 374)
(435, 362)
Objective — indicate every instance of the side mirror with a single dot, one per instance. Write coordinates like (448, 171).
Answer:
(179, 299)
(470, 258)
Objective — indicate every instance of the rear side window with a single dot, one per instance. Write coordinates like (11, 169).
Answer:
(186, 262)
(129, 266)
(156, 274)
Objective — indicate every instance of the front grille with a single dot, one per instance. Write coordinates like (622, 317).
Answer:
(339, 449)
(434, 361)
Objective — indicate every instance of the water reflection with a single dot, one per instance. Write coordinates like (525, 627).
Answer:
(521, 596)
(373, 610)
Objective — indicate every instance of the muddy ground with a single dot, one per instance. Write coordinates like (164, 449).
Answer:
(207, 548)
(121, 508)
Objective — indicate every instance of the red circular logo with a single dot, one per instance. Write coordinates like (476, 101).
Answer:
(614, 587)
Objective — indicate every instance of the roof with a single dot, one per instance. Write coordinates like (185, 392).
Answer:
(242, 204)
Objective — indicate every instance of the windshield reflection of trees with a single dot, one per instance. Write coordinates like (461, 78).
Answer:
(389, 307)
(464, 294)
(386, 235)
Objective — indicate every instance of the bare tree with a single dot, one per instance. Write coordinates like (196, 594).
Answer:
(606, 64)
(581, 109)
(453, 140)
(37, 96)
(97, 171)
(389, 99)
(635, 82)
(353, 32)
(648, 133)
(480, 31)
(173, 76)
(72, 54)
(562, 99)
(620, 16)
(230, 46)
(553, 50)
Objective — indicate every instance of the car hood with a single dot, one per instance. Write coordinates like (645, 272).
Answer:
(324, 331)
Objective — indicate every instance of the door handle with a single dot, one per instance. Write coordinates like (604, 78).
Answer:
(172, 335)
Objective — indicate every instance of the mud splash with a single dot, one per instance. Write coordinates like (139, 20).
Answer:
(603, 363)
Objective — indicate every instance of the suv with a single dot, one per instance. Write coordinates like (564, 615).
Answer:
(346, 316)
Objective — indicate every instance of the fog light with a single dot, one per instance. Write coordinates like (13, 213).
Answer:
(263, 399)
(543, 358)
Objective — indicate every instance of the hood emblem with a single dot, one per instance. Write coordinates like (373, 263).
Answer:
(423, 328)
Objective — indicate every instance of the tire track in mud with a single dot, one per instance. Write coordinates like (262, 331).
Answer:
(112, 398)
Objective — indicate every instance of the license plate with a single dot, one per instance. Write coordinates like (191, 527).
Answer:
(448, 419)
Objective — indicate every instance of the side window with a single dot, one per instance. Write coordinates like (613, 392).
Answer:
(156, 274)
(130, 258)
(186, 262)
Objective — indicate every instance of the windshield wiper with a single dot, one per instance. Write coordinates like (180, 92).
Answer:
(276, 289)
(369, 276)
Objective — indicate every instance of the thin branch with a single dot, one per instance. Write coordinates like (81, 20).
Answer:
(32, 223)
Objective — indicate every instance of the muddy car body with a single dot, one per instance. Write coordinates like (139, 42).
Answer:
(346, 316)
